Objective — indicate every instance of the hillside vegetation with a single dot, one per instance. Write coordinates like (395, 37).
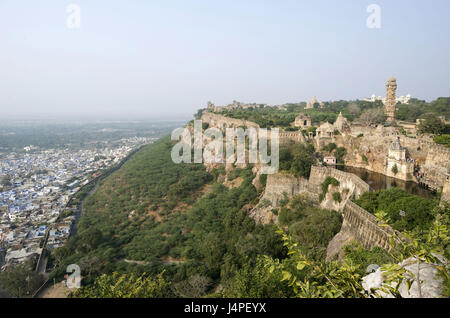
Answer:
(174, 231)
(148, 217)
(153, 216)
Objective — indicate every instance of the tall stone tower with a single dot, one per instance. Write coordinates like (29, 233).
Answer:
(391, 100)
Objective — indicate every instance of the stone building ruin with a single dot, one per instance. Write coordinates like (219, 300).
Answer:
(397, 164)
(303, 121)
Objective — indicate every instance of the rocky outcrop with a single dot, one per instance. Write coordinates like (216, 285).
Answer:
(427, 284)
(335, 246)
(370, 149)
(264, 215)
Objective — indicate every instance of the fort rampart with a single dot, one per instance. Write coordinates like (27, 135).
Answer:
(358, 223)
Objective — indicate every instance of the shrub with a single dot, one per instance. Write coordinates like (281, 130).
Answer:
(337, 197)
(329, 180)
(443, 140)
(419, 211)
(330, 147)
(264, 203)
(340, 153)
(263, 179)
(395, 169)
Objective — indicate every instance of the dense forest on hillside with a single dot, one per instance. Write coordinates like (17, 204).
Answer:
(148, 217)
(154, 216)
(173, 230)
(176, 231)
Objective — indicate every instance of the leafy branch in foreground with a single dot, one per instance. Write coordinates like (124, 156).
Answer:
(417, 247)
(125, 286)
(316, 279)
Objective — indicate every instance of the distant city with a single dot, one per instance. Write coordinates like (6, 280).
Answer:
(38, 182)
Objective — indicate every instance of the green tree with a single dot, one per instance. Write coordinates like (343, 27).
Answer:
(431, 124)
(117, 285)
(405, 211)
(256, 281)
(373, 116)
(20, 280)
(330, 147)
(340, 154)
(334, 279)
(297, 159)
(443, 140)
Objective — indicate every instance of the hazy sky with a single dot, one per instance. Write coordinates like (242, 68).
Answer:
(161, 58)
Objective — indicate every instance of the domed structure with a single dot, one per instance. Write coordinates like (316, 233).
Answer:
(392, 79)
(395, 145)
(342, 124)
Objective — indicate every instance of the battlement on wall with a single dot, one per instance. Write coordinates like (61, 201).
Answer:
(319, 174)
(358, 223)
(282, 182)
(223, 122)
(363, 226)
(432, 146)
(296, 136)
(416, 146)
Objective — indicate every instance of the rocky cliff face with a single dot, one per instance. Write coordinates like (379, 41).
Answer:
(370, 151)
(278, 187)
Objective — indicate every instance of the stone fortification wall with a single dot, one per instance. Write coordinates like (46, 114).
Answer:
(350, 181)
(358, 224)
(223, 122)
(281, 184)
(370, 150)
(363, 226)
(284, 183)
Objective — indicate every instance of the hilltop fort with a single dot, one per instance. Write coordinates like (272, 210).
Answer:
(381, 148)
